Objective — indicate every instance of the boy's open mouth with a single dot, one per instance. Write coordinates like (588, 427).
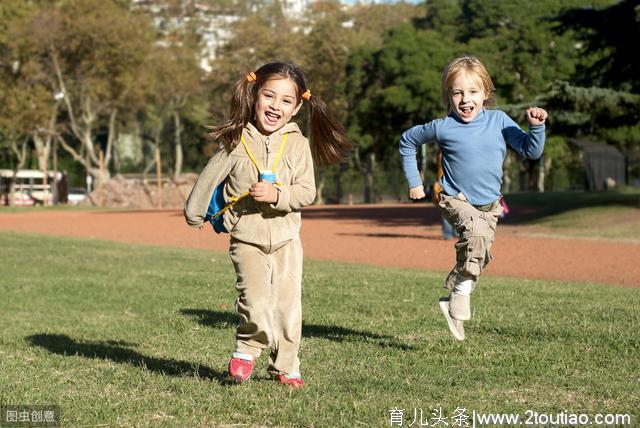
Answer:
(467, 110)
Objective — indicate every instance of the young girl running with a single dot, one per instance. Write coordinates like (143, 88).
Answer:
(266, 165)
(472, 141)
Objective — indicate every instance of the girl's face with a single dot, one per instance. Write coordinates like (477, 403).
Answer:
(467, 96)
(276, 104)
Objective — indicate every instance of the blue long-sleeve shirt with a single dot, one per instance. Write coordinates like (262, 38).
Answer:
(472, 153)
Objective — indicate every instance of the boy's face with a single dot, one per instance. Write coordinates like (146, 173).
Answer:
(276, 104)
(467, 96)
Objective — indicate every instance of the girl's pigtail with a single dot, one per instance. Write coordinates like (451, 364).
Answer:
(329, 142)
(240, 111)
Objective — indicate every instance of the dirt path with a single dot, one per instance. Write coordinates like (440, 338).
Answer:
(389, 235)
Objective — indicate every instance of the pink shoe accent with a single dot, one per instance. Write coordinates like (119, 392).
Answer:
(240, 369)
(294, 382)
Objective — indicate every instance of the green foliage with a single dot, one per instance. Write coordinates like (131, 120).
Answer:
(378, 66)
(602, 112)
(395, 87)
(324, 52)
(25, 98)
(604, 35)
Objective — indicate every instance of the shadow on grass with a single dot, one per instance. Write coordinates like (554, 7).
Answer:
(531, 207)
(120, 352)
(331, 332)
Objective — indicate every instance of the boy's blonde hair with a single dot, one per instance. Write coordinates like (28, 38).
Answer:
(471, 65)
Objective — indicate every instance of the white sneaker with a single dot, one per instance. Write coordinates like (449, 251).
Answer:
(455, 326)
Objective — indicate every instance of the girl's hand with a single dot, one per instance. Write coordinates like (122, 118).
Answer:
(536, 116)
(263, 191)
(417, 192)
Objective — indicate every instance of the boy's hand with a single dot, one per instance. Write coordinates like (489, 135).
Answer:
(417, 192)
(536, 116)
(263, 191)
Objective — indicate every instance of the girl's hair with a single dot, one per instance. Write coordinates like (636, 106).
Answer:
(471, 65)
(329, 143)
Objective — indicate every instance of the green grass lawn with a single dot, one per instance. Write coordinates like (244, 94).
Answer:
(600, 215)
(124, 335)
(613, 222)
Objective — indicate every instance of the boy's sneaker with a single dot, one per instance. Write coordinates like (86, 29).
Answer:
(460, 306)
(293, 380)
(240, 368)
(455, 326)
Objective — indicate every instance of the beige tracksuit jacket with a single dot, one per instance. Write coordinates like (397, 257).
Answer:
(265, 245)
(246, 220)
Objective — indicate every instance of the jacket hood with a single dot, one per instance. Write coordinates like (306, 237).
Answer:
(290, 127)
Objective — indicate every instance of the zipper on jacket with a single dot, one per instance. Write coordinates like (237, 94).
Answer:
(267, 145)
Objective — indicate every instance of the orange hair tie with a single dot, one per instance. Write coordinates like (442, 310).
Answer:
(251, 77)
(306, 95)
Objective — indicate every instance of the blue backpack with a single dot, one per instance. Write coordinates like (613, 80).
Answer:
(214, 212)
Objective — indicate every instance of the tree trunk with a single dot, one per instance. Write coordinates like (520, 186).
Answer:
(178, 143)
(545, 167)
(339, 183)
(368, 187)
(81, 126)
(111, 141)
(21, 155)
(532, 175)
(43, 148)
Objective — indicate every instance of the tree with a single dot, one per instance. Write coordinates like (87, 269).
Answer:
(518, 44)
(90, 53)
(393, 88)
(28, 110)
(605, 34)
(601, 114)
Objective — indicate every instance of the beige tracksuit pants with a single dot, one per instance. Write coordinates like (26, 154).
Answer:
(269, 302)
(476, 229)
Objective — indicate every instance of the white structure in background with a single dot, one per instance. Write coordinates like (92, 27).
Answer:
(30, 187)
(295, 7)
(213, 24)
(215, 30)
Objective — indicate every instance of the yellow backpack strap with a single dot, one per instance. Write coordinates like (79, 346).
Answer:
(232, 202)
(244, 143)
(275, 163)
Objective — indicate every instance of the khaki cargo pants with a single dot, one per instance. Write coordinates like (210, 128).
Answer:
(476, 227)
(269, 302)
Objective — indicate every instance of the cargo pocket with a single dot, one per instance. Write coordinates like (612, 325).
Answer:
(474, 258)
(466, 247)
(478, 242)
